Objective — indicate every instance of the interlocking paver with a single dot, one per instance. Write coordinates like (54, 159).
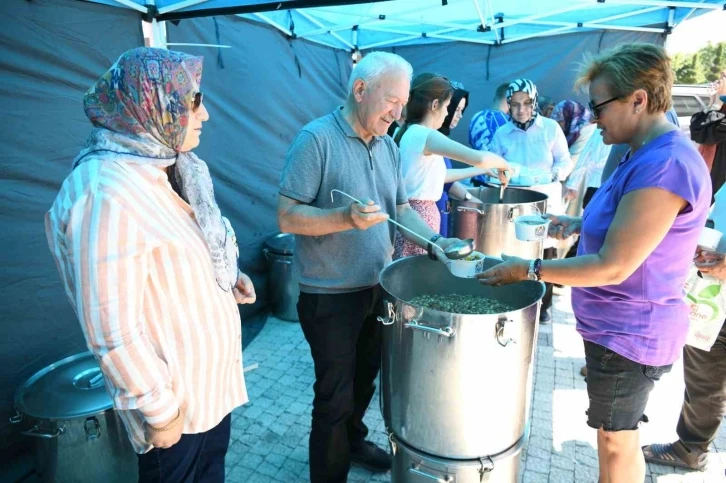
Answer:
(270, 434)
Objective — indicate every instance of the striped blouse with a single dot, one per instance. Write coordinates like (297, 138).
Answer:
(138, 273)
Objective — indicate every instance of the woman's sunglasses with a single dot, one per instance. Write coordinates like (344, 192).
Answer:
(198, 99)
(596, 109)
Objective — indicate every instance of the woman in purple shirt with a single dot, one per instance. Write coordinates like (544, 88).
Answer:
(638, 236)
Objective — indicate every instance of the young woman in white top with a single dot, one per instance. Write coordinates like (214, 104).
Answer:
(423, 149)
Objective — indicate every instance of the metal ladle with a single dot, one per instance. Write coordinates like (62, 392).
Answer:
(455, 251)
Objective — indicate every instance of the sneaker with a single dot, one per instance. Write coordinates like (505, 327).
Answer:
(676, 455)
(370, 457)
(545, 317)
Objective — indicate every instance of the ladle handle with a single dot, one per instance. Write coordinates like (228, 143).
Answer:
(389, 219)
(447, 331)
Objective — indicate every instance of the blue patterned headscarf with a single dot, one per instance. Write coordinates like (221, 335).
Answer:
(528, 87)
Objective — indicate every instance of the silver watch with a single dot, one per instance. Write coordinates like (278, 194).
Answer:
(531, 274)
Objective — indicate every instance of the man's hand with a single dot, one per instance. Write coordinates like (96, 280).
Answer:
(513, 269)
(364, 216)
(712, 264)
(443, 243)
(562, 227)
(167, 439)
(244, 291)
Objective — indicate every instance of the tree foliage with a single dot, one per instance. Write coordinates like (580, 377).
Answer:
(701, 67)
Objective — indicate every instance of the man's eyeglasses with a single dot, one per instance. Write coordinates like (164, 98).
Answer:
(596, 109)
(198, 99)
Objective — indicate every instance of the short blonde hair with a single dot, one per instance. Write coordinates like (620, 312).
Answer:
(629, 67)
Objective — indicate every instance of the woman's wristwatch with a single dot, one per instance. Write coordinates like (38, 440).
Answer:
(534, 270)
(430, 246)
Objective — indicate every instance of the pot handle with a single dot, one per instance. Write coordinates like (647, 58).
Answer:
(38, 433)
(266, 253)
(391, 319)
(16, 418)
(92, 428)
(447, 331)
(500, 328)
(416, 471)
(468, 208)
(519, 211)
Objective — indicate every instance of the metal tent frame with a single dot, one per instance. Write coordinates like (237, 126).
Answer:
(357, 25)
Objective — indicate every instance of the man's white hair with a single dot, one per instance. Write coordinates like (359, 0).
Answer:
(374, 65)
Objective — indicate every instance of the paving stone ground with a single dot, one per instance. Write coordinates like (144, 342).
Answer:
(270, 433)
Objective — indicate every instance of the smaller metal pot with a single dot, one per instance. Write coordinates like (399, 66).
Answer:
(413, 466)
(77, 435)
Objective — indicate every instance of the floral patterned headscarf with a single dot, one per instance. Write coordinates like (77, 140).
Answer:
(575, 117)
(140, 111)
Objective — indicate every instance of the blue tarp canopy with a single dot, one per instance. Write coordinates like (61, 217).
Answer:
(360, 26)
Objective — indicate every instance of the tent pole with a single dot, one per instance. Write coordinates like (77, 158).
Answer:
(478, 11)
(131, 5)
(320, 24)
(158, 34)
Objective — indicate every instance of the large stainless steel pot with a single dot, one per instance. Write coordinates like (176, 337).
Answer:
(456, 386)
(78, 436)
(413, 466)
(490, 223)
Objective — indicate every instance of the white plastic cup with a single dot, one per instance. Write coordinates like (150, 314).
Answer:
(709, 239)
(464, 268)
(531, 228)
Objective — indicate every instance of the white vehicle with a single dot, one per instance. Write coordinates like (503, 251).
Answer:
(688, 100)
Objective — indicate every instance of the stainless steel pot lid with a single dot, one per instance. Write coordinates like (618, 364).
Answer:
(282, 244)
(70, 388)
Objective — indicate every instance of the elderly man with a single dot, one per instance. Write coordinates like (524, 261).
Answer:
(340, 250)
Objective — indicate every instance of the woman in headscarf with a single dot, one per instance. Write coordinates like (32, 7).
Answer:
(150, 266)
(575, 121)
(577, 124)
(538, 144)
(457, 106)
(423, 149)
(530, 139)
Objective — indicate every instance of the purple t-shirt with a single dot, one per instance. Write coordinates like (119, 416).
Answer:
(644, 318)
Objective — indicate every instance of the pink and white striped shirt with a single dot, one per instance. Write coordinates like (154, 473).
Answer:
(138, 273)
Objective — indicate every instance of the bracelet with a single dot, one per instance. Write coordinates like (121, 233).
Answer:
(537, 268)
(169, 426)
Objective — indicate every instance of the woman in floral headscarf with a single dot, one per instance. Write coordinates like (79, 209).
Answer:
(150, 266)
(575, 121)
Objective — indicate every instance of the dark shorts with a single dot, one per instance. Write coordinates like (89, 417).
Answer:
(618, 388)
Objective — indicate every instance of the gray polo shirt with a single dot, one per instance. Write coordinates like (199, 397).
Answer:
(327, 154)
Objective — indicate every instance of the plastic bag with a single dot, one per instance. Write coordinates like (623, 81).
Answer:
(706, 300)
